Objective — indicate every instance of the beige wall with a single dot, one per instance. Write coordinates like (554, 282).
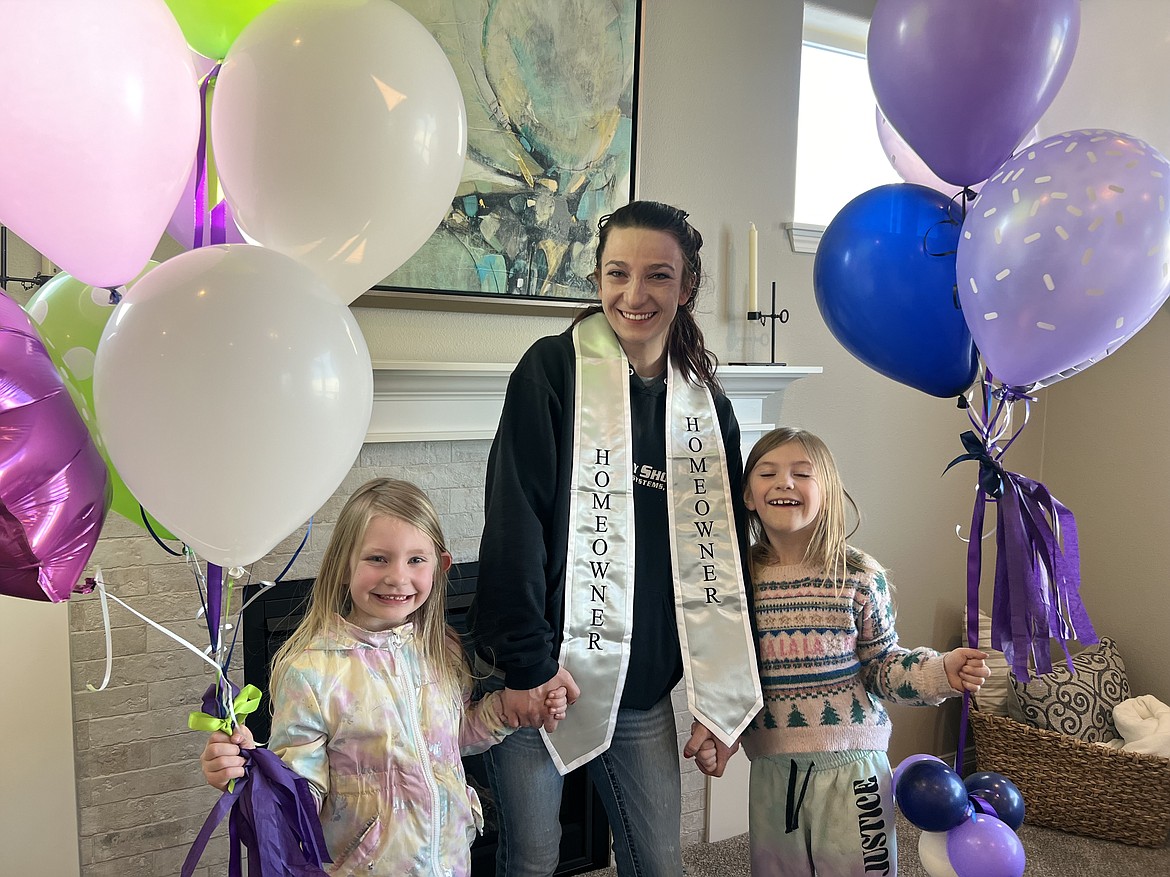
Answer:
(717, 136)
(38, 803)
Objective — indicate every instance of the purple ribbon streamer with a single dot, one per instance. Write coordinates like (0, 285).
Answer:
(1037, 579)
(274, 814)
(1037, 569)
(214, 601)
(200, 205)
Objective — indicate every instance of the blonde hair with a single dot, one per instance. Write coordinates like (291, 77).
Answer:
(828, 549)
(330, 593)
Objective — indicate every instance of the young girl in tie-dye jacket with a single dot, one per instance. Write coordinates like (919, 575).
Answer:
(371, 696)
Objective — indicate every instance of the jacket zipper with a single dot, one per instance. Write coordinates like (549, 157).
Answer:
(428, 770)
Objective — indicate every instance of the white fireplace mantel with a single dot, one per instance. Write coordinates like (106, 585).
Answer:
(456, 401)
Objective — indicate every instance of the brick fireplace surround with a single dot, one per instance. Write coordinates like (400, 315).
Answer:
(141, 797)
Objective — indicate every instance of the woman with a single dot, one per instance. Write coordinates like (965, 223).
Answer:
(612, 556)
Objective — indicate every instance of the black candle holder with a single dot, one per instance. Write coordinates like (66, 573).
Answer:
(774, 316)
(28, 283)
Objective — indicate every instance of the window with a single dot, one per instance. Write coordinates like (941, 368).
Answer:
(838, 154)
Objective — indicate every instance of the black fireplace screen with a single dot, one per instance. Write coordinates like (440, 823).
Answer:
(271, 619)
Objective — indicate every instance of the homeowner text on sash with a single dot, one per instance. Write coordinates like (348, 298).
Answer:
(599, 587)
(719, 655)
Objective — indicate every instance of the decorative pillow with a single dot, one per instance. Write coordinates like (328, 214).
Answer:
(1079, 704)
(996, 696)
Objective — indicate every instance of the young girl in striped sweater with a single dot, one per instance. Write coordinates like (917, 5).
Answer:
(820, 799)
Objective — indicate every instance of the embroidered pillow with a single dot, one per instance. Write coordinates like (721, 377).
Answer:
(1079, 704)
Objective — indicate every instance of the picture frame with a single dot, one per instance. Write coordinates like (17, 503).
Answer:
(551, 97)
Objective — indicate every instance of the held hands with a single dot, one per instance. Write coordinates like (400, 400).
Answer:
(709, 753)
(221, 760)
(556, 704)
(966, 669)
(543, 706)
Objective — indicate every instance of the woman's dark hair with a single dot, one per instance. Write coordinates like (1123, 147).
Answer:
(688, 350)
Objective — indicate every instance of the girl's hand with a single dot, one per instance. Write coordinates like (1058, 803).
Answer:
(556, 704)
(221, 760)
(707, 750)
(966, 669)
(525, 708)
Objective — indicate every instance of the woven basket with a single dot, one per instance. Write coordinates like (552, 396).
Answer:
(1078, 787)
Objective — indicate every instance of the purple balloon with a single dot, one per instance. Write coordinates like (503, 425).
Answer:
(1065, 254)
(53, 481)
(906, 161)
(984, 846)
(963, 82)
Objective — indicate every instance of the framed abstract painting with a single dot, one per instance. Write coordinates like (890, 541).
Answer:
(550, 90)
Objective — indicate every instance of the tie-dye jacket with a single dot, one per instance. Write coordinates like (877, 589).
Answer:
(358, 715)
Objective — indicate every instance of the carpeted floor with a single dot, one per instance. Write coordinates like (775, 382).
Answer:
(1050, 854)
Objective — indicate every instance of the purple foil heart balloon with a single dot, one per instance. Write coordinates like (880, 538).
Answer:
(53, 481)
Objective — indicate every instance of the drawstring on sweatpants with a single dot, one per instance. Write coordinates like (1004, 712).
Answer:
(792, 808)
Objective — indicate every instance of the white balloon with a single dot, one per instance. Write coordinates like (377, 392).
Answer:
(340, 133)
(932, 852)
(233, 392)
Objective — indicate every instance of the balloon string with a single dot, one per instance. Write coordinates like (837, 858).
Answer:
(100, 583)
(104, 593)
(155, 536)
(264, 586)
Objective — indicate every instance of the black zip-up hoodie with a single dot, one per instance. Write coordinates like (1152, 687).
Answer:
(517, 618)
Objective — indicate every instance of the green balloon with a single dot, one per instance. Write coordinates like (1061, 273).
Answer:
(211, 26)
(70, 317)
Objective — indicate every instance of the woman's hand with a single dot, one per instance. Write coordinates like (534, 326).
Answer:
(527, 708)
(221, 760)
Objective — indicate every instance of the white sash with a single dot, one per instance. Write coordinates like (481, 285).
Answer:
(723, 687)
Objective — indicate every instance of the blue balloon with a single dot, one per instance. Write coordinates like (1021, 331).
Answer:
(932, 796)
(884, 279)
(1002, 794)
(909, 760)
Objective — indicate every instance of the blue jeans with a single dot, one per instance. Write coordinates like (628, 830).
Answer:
(637, 779)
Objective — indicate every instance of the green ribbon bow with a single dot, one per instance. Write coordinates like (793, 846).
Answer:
(246, 702)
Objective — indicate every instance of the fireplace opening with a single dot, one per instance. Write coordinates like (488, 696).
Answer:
(271, 619)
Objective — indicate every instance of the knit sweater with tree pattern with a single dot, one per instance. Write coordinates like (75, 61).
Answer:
(827, 651)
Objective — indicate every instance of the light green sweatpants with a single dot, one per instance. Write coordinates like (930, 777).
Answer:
(829, 814)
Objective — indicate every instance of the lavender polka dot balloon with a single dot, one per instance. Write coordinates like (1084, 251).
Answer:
(1065, 255)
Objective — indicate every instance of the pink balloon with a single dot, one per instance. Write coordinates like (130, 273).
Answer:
(53, 481)
(104, 96)
(1065, 254)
